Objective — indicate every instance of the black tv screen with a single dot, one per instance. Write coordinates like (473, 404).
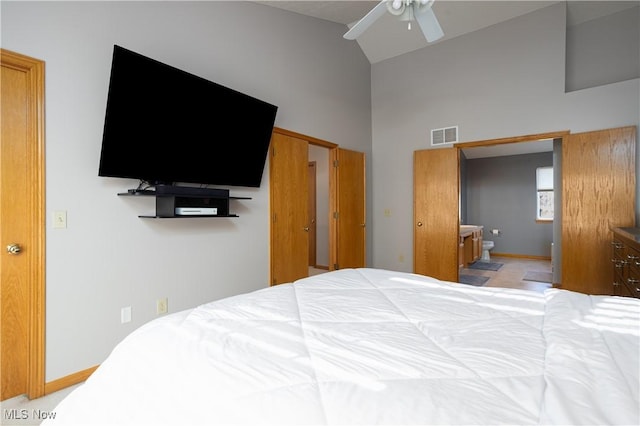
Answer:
(164, 125)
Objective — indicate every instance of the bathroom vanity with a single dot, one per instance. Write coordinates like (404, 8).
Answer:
(470, 244)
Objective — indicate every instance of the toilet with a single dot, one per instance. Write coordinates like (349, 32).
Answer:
(486, 246)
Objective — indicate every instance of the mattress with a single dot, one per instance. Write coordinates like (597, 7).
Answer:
(370, 346)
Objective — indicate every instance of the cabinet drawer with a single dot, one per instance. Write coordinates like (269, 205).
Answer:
(623, 290)
(633, 260)
(618, 249)
(632, 287)
(633, 271)
(625, 261)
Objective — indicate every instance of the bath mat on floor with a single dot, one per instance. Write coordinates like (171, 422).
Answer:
(486, 266)
(539, 276)
(476, 280)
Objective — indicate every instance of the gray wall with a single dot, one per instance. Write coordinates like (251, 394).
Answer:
(108, 258)
(501, 194)
(502, 81)
(598, 51)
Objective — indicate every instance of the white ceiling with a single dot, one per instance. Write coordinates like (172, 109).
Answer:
(389, 37)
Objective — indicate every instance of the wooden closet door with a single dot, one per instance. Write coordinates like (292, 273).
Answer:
(598, 192)
(436, 217)
(22, 223)
(289, 208)
(349, 207)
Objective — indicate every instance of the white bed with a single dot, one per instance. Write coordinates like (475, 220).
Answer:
(368, 346)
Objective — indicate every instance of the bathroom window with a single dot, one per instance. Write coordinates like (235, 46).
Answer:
(544, 186)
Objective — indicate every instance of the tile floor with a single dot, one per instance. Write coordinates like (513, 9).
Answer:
(511, 273)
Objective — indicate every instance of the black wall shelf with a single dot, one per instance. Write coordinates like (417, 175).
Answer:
(168, 206)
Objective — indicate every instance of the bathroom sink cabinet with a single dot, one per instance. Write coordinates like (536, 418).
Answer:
(470, 245)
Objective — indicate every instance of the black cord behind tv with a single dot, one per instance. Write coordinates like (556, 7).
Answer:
(164, 125)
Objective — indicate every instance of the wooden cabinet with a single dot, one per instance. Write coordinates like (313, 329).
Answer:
(477, 244)
(470, 249)
(626, 262)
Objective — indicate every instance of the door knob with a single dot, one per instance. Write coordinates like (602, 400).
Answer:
(419, 223)
(13, 249)
(306, 229)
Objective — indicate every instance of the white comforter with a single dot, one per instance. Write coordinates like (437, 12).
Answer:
(371, 346)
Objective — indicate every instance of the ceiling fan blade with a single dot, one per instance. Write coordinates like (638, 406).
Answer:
(364, 23)
(429, 24)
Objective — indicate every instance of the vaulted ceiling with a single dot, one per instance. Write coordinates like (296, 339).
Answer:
(389, 37)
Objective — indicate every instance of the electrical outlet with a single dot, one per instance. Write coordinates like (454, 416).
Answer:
(125, 315)
(60, 219)
(162, 306)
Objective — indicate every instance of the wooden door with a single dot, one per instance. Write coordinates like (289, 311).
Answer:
(436, 218)
(312, 213)
(348, 203)
(598, 192)
(288, 167)
(21, 226)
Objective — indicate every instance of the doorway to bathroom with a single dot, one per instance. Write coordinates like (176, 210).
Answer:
(499, 191)
(587, 204)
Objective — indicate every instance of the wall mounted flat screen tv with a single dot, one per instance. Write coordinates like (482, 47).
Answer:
(166, 126)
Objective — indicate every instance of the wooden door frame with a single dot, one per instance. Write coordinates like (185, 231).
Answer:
(515, 139)
(563, 135)
(35, 69)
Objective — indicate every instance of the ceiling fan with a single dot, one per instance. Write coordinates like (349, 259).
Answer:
(406, 10)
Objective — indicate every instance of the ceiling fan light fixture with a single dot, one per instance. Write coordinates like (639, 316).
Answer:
(396, 7)
(405, 10)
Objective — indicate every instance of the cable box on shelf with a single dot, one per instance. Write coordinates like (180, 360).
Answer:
(184, 201)
(196, 211)
(172, 205)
